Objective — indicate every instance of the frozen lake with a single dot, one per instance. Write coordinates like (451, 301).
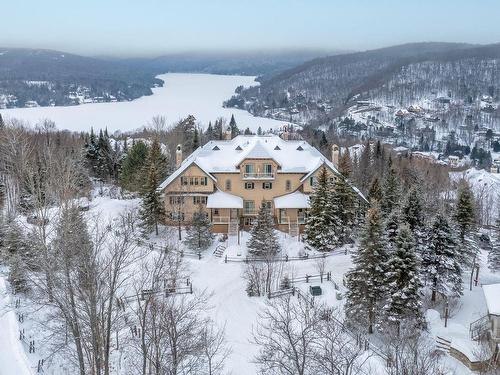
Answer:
(182, 94)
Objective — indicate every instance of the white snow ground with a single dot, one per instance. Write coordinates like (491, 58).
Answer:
(232, 307)
(182, 94)
(13, 359)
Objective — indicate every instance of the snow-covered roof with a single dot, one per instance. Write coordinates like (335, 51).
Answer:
(292, 200)
(492, 296)
(220, 199)
(225, 156)
(293, 156)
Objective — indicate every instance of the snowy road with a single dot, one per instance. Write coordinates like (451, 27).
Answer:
(13, 359)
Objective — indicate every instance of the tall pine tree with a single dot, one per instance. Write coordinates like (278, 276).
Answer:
(321, 229)
(441, 261)
(152, 205)
(494, 254)
(366, 282)
(403, 296)
(390, 196)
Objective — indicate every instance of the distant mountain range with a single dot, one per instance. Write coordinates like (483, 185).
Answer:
(321, 89)
(30, 77)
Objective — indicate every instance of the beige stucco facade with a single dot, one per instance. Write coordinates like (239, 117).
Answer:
(186, 194)
(248, 182)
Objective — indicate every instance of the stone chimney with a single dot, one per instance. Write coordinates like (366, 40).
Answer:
(285, 135)
(228, 134)
(335, 155)
(178, 156)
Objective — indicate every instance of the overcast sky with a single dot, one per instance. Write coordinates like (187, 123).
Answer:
(153, 27)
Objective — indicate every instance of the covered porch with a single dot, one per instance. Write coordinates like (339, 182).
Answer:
(225, 210)
(291, 212)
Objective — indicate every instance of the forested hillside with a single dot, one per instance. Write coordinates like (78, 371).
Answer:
(43, 77)
(398, 76)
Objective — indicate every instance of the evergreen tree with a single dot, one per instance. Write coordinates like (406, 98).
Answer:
(402, 278)
(248, 131)
(259, 131)
(390, 196)
(209, 133)
(464, 210)
(152, 205)
(263, 240)
(132, 174)
(199, 234)
(104, 163)
(321, 229)
(375, 191)
(413, 214)
(494, 254)
(366, 282)
(413, 210)
(343, 202)
(196, 139)
(392, 225)
(91, 150)
(234, 128)
(441, 261)
(218, 129)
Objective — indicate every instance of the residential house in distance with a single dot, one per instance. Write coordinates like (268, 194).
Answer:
(231, 179)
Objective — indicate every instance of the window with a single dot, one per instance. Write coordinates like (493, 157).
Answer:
(268, 169)
(249, 168)
(288, 185)
(216, 212)
(184, 180)
(267, 185)
(191, 180)
(176, 199)
(204, 181)
(249, 207)
(332, 180)
(282, 216)
(199, 200)
(249, 185)
(312, 181)
(228, 184)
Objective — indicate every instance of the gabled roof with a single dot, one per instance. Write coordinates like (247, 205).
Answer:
(191, 160)
(228, 157)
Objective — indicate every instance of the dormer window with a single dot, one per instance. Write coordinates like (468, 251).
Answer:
(300, 148)
(277, 148)
(216, 148)
(238, 148)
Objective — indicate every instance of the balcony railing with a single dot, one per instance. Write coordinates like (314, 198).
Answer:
(220, 220)
(250, 212)
(258, 176)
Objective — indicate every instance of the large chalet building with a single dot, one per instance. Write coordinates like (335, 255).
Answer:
(232, 178)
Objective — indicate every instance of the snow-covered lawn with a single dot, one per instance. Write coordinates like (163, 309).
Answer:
(230, 305)
(13, 358)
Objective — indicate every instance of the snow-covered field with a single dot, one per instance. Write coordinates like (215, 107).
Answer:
(182, 94)
(233, 308)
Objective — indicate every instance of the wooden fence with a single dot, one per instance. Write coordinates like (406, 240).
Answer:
(286, 258)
